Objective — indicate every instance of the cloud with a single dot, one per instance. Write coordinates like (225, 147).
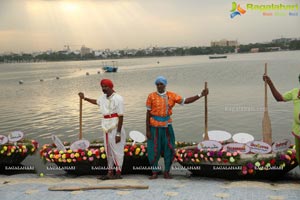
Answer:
(133, 23)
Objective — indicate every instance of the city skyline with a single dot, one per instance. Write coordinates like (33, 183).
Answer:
(40, 25)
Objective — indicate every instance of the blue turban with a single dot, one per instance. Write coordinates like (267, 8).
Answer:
(161, 79)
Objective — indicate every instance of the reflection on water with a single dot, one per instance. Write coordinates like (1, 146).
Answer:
(235, 102)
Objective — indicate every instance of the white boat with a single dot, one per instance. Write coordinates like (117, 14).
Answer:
(217, 56)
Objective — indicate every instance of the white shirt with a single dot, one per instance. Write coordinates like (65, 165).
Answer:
(110, 105)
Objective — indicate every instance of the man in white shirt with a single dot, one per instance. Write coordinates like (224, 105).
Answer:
(111, 106)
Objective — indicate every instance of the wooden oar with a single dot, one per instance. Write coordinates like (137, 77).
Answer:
(266, 122)
(80, 118)
(205, 116)
(97, 187)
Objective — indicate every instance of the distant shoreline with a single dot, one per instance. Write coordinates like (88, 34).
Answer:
(283, 44)
(119, 58)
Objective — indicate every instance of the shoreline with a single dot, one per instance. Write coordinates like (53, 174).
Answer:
(164, 56)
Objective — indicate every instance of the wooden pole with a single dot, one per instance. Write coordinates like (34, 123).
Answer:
(266, 88)
(266, 123)
(205, 116)
(80, 118)
(97, 187)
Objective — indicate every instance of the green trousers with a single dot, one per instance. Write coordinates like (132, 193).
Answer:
(162, 143)
(297, 143)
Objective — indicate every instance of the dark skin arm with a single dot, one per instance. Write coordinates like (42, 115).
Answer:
(275, 92)
(119, 128)
(196, 97)
(92, 101)
(148, 133)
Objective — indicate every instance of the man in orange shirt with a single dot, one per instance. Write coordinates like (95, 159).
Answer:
(159, 130)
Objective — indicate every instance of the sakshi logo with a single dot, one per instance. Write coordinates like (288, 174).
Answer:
(236, 10)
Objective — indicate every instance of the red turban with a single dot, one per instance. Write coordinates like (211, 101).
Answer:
(107, 83)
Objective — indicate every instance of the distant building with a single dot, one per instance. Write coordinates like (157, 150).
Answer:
(130, 52)
(224, 43)
(48, 52)
(282, 40)
(254, 50)
(34, 54)
(65, 52)
(84, 51)
(76, 52)
(273, 48)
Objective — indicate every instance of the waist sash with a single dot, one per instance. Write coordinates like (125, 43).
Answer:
(161, 119)
(111, 116)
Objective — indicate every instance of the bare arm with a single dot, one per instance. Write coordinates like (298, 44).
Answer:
(275, 92)
(120, 123)
(195, 98)
(119, 128)
(148, 134)
(92, 101)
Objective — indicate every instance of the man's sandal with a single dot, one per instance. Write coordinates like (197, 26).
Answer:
(106, 177)
(167, 175)
(154, 176)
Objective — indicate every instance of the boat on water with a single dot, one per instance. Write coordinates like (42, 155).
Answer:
(217, 56)
(110, 68)
(200, 162)
(228, 164)
(93, 159)
(14, 148)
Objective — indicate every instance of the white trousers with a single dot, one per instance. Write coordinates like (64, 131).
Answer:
(114, 151)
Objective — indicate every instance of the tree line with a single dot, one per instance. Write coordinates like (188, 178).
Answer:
(155, 52)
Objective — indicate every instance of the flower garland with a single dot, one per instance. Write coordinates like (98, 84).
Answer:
(184, 144)
(136, 151)
(191, 156)
(96, 151)
(279, 162)
(51, 154)
(195, 156)
(21, 149)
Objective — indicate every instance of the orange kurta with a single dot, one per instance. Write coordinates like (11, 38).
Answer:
(161, 106)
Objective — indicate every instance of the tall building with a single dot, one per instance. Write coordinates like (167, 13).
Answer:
(224, 43)
(282, 40)
(84, 51)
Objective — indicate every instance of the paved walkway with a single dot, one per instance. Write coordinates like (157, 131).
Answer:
(32, 186)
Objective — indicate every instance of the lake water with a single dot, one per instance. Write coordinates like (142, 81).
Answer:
(235, 102)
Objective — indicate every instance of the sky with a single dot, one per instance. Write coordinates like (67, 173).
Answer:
(39, 25)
